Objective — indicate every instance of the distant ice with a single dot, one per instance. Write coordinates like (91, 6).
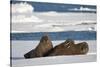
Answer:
(58, 22)
(50, 27)
(83, 9)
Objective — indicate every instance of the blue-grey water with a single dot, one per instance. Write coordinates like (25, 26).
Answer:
(76, 35)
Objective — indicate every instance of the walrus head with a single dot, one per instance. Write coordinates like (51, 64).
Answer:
(44, 38)
(82, 48)
(41, 49)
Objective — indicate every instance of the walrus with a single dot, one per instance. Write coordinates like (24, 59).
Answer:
(81, 48)
(69, 48)
(44, 46)
(65, 48)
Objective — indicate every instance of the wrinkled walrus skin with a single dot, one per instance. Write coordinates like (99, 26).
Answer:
(81, 48)
(44, 46)
(69, 48)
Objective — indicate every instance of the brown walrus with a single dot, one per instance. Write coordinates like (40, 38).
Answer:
(61, 49)
(81, 48)
(69, 48)
(44, 46)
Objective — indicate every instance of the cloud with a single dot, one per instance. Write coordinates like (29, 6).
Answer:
(23, 18)
(23, 12)
(83, 9)
(22, 8)
(52, 13)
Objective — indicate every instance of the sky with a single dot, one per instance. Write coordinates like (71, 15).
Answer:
(44, 6)
(88, 2)
(23, 11)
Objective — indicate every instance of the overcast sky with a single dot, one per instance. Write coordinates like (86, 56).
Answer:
(89, 2)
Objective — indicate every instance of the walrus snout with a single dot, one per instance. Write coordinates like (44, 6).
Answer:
(83, 48)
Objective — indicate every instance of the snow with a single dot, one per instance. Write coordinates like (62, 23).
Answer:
(19, 48)
(58, 22)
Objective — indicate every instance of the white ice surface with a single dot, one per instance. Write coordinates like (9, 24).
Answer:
(19, 48)
(54, 60)
(57, 22)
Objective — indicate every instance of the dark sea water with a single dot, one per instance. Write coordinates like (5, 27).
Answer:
(76, 35)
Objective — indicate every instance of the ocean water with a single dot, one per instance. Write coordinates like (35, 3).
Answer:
(75, 35)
